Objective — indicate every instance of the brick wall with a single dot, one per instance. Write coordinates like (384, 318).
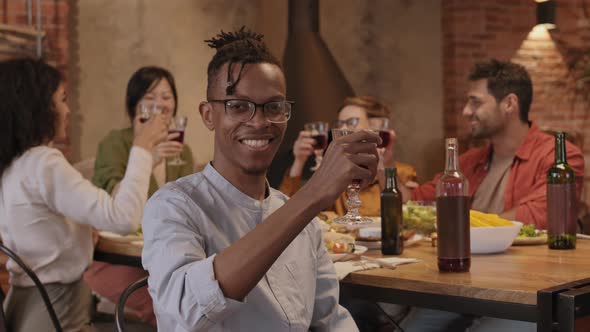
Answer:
(473, 31)
(54, 22)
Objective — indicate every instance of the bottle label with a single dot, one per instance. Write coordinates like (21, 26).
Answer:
(562, 208)
(452, 226)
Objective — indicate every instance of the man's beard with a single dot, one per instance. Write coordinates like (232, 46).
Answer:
(485, 132)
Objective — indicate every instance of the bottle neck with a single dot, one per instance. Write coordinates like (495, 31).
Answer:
(560, 155)
(452, 158)
(390, 179)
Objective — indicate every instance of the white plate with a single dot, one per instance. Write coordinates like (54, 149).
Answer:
(377, 244)
(120, 238)
(358, 250)
(525, 241)
(413, 240)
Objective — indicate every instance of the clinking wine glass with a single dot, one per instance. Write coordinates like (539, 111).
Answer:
(178, 125)
(146, 110)
(319, 132)
(353, 203)
(380, 125)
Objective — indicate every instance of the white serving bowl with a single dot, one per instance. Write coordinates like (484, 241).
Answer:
(489, 240)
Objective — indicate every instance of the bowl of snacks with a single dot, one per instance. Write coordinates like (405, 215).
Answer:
(491, 233)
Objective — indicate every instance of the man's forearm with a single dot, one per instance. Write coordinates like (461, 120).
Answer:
(241, 266)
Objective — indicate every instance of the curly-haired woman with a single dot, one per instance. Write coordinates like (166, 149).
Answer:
(47, 209)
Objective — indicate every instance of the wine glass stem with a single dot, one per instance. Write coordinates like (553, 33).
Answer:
(380, 152)
(353, 202)
(319, 155)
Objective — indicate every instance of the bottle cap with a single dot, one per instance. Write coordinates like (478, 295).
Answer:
(451, 140)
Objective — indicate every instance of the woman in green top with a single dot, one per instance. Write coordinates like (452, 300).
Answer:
(154, 86)
(151, 85)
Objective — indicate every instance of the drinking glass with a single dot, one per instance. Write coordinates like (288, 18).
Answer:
(178, 125)
(380, 126)
(353, 203)
(147, 109)
(319, 132)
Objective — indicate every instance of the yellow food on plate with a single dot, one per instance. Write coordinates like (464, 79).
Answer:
(338, 243)
(480, 219)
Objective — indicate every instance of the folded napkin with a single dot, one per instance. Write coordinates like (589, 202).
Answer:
(345, 268)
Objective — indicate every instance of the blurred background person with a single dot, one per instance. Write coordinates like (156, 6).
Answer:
(153, 89)
(355, 113)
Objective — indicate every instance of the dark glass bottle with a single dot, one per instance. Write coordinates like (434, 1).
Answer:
(452, 214)
(391, 215)
(562, 204)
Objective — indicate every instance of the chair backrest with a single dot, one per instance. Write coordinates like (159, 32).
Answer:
(3, 322)
(120, 310)
(38, 284)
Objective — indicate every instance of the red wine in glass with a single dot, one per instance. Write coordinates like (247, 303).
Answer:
(143, 120)
(321, 142)
(180, 138)
(385, 138)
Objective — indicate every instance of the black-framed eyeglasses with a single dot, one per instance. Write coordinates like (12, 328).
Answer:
(243, 110)
(349, 123)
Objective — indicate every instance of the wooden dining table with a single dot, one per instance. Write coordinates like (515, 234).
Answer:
(527, 283)
(118, 252)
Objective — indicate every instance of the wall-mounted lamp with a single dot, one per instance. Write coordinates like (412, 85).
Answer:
(546, 13)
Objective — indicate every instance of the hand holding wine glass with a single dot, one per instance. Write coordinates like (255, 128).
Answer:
(350, 158)
(319, 132)
(380, 125)
(302, 149)
(150, 133)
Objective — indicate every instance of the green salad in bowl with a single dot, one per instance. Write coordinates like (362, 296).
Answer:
(420, 216)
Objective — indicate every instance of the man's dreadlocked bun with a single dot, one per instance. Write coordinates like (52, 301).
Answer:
(242, 46)
(225, 38)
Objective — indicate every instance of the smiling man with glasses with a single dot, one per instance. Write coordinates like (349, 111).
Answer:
(226, 252)
(243, 110)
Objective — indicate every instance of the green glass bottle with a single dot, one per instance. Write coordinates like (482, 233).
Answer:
(562, 209)
(391, 215)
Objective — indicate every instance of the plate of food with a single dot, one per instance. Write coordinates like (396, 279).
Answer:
(121, 238)
(528, 235)
(340, 245)
(491, 233)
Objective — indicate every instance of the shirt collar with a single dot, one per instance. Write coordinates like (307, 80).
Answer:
(485, 162)
(232, 193)
(526, 147)
(523, 152)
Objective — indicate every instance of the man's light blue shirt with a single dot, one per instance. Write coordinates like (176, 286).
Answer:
(187, 222)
